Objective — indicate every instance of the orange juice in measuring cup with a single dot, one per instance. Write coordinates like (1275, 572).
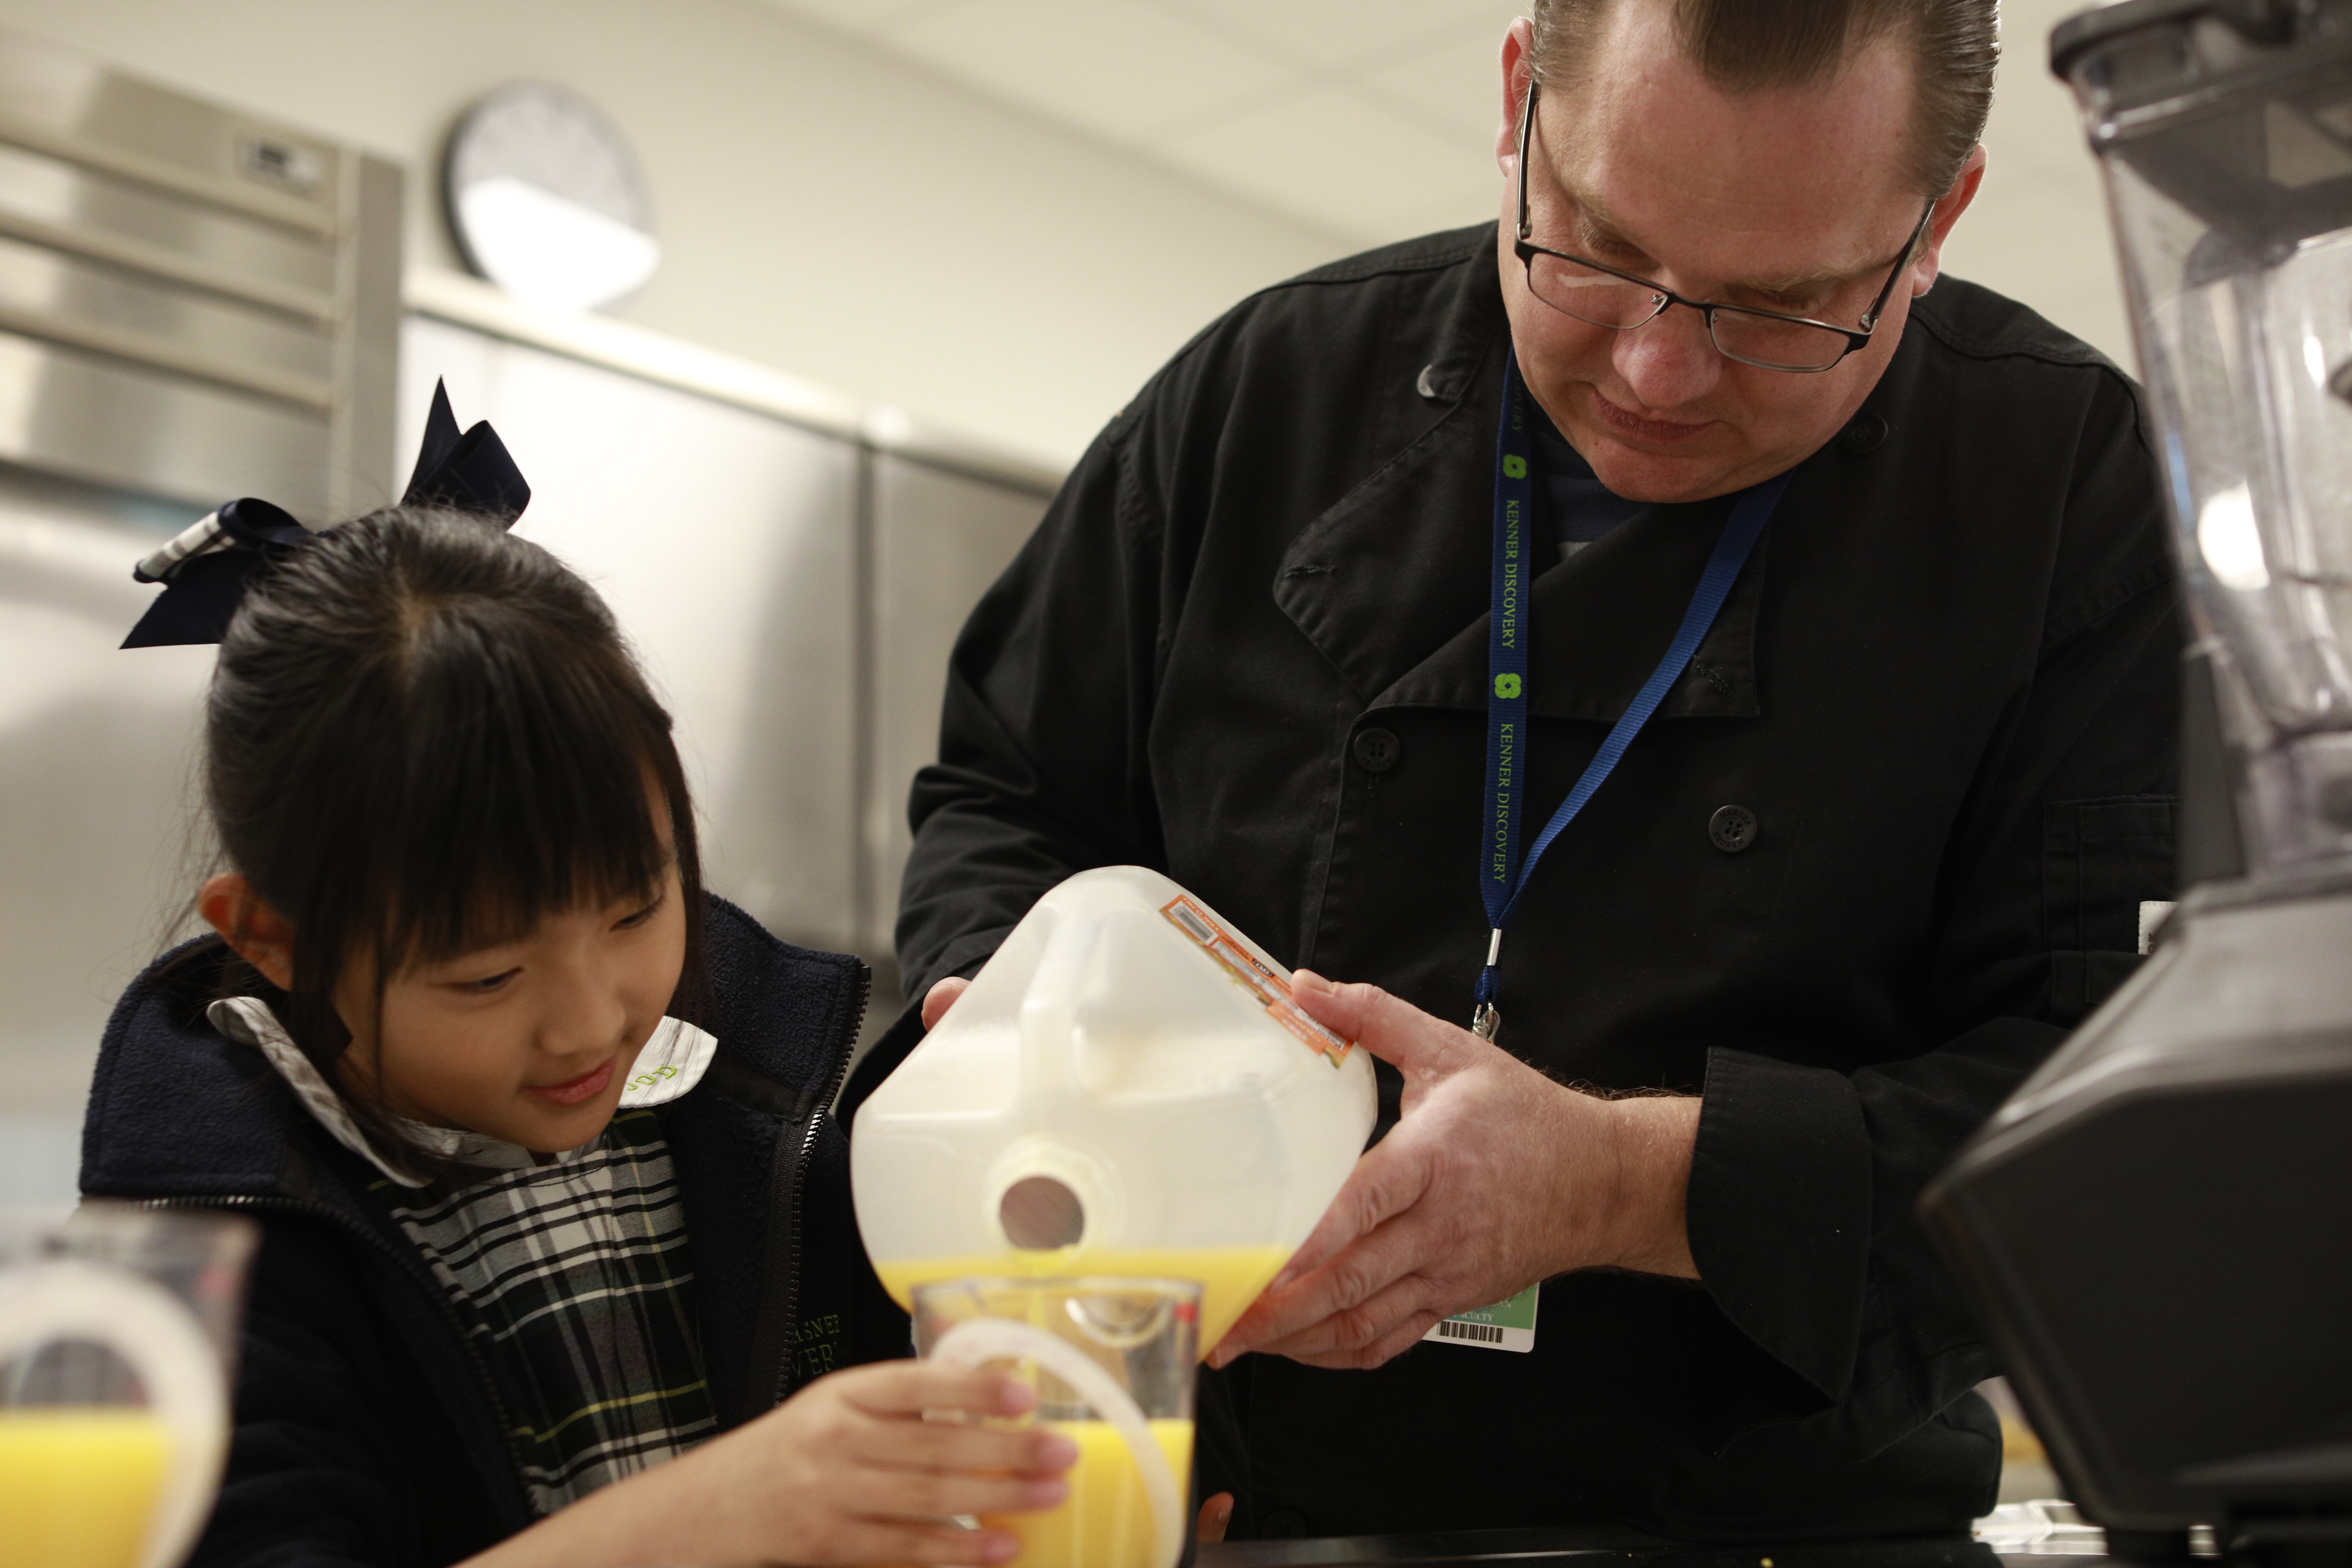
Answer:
(1112, 1362)
(114, 1332)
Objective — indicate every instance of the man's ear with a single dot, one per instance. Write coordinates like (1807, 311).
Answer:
(258, 933)
(1929, 263)
(1519, 44)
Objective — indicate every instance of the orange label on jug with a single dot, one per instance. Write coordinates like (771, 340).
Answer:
(1271, 989)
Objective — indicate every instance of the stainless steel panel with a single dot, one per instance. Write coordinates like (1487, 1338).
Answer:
(159, 241)
(97, 803)
(941, 538)
(56, 99)
(362, 468)
(724, 542)
(51, 199)
(45, 294)
(103, 420)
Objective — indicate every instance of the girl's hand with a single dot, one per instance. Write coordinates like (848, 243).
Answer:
(854, 1474)
(845, 1472)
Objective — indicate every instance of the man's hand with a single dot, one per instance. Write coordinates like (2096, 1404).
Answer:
(940, 998)
(1494, 1178)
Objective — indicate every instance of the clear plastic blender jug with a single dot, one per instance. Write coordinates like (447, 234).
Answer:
(2228, 160)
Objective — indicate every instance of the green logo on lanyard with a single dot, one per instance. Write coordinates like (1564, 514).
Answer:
(1515, 466)
(1506, 687)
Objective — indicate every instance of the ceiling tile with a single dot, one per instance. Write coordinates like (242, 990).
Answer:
(1457, 85)
(1342, 160)
(1334, 36)
(1120, 69)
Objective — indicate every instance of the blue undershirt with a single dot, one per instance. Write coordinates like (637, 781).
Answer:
(1577, 507)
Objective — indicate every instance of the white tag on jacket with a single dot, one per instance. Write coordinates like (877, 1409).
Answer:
(673, 1062)
(2153, 913)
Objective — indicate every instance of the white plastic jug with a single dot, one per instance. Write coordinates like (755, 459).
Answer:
(1126, 1089)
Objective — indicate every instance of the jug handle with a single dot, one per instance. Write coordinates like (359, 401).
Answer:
(1049, 1035)
(177, 1365)
(975, 1341)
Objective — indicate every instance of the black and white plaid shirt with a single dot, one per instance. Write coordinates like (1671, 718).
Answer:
(571, 1276)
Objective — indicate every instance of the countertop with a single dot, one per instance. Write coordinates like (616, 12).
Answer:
(2026, 1533)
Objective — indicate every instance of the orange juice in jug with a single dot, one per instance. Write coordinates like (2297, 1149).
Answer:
(1126, 1089)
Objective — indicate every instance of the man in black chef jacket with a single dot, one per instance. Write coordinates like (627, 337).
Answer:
(1887, 835)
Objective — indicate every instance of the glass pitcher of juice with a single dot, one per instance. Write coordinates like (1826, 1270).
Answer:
(1112, 1361)
(1126, 1089)
(116, 1327)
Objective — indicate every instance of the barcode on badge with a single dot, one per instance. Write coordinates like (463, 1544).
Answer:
(1271, 986)
(1505, 1326)
(1484, 1333)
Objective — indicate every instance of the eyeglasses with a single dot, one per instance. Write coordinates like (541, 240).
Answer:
(1605, 296)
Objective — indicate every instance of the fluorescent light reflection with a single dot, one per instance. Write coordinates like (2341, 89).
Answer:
(544, 249)
(2230, 542)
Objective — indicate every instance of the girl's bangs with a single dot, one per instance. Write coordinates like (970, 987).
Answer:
(527, 787)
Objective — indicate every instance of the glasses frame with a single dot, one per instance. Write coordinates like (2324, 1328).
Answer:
(1665, 298)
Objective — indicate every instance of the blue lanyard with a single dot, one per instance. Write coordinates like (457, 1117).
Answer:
(1502, 873)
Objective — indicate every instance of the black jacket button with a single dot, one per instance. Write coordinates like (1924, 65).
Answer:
(1377, 751)
(1864, 432)
(1733, 828)
(1283, 1524)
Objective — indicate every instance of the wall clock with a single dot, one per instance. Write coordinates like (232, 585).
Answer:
(546, 199)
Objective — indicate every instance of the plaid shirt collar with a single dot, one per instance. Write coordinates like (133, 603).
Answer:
(670, 1064)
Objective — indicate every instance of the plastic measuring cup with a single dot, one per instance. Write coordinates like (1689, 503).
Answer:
(115, 1329)
(1113, 1362)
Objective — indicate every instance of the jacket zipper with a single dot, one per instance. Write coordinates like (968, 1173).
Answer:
(799, 1181)
(407, 1264)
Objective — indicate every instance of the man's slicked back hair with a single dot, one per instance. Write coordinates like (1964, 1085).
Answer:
(1752, 45)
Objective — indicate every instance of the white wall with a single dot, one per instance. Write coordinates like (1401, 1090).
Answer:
(2039, 230)
(840, 214)
(823, 209)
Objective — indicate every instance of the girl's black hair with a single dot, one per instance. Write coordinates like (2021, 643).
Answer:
(424, 736)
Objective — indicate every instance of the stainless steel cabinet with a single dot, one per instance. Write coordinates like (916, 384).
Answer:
(792, 593)
(725, 542)
(196, 304)
(941, 538)
(97, 793)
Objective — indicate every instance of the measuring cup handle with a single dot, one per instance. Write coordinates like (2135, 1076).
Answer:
(146, 1326)
(976, 1342)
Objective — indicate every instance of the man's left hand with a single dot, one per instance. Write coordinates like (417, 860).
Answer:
(1495, 1177)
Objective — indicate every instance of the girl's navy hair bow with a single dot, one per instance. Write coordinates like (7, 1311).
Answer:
(206, 570)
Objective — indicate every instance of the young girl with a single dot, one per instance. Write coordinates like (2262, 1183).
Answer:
(557, 1255)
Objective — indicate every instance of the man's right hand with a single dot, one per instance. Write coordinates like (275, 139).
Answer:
(940, 997)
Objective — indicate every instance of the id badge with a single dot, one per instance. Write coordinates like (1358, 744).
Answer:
(1505, 1326)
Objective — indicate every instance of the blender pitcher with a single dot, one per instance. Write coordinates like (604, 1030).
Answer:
(115, 1335)
(2224, 132)
(2150, 1230)
(1112, 1363)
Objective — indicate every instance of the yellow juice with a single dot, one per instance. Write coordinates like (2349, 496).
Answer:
(1105, 1521)
(1231, 1277)
(78, 1485)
